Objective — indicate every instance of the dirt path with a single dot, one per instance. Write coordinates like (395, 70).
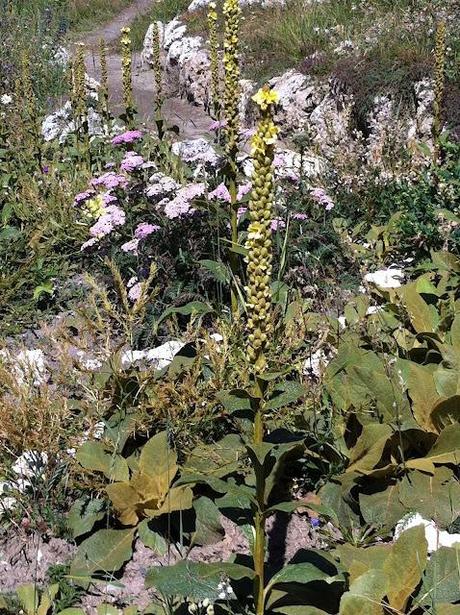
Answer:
(192, 120)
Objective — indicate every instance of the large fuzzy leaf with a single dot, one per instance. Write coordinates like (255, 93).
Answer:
(218, 459)
(422, 390)
(105, 551)
(424, 317)
(94, 456)
(404, 566)
(441, 582)
(383, 508)
(368, 450)
(365, 595)
(435, 496)
(358, 560)
(194, 579)
(84, 514)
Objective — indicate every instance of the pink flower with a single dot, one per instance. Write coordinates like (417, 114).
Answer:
(89, 244)
(131, 161)
(112, 217)
(135, 292)
(221, 193)
(277, 224)
(241, 211)
(319, 195)
(110, 180)
(180, 205)
(299, 216)
(278, 160)
(108, 198)
(127, 137)
(144, 230)
(83, 196)
(243, 190)
(130, 247)
(217, 125)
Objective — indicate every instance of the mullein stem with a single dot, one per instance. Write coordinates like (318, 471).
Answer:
(127, 75)
(439, 85)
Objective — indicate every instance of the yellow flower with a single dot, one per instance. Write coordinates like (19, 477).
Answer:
(95, 207)
(266, 97)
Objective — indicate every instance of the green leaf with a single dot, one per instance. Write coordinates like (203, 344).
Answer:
(218, 459)
(424, 317)
(208, 526)
(106, 609)
(236, 400)
(435, 496)
(382, 509)
(404, 566)
(303, 573)
(368, 450)
(358, 560)
(365, 595)
(447, 447)
(285, 393)
(195, 580)
(84, 514)
(152, 540)
(441, 582)
(194, 308)
(72, 611)
(218, 270)
(105, 551)
(28, 597)
(93, 456)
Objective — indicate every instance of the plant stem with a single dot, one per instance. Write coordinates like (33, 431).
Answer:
(259, 516)
(233, 257)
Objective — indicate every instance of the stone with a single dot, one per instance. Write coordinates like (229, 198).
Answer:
(299, 97)
(158, 358)
(194, 77)
(196, 151)
(385, 278)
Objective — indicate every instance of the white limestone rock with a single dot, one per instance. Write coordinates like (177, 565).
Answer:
(196, 151)
(385, 278)
(158, 358)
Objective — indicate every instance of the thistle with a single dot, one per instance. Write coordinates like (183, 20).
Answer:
(157, 69)
(232, 12)
(126, 67)
(259, 241)
(104, 87)
(214, 59)
(439, 81)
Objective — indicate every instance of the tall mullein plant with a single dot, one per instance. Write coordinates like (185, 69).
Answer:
(104, 87)
(214, 60)
(127, 75)
(232, 15)
(439, 84)
(158, 76)
(259, 299)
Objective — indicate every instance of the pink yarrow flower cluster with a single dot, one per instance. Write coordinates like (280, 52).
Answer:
(142, 231)
(180, 204)
(135, 289)
(127, 137)
(222, 193)
(277, 224)
(131, 162)
(319, 195)
(83, 196)
(299, 216)
(112, 217)
(110, 181)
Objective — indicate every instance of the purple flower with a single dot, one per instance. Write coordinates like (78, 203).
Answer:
(135, 292)
(88, 244)
(144, 230)
(315, 522)
(113, 216)
(319, 195)
(241, 211)
(277, 224)
(131, 161)
(108, 198)
(180, 205)
(131, 246)
(299, 216)
(110, 180)
(83, 196)
(217, 125)
(46, 169)
(109, 165)
(221, 193)
(127, 137)
(243, 190)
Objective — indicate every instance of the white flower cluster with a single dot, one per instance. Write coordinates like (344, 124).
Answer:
(206, 607)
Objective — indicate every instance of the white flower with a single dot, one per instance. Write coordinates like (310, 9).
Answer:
(6, 99)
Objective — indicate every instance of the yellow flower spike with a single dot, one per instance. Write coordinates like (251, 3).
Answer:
(104, 88)
(439, 83)
(259, 238)
(127, 77)
(214, 58)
